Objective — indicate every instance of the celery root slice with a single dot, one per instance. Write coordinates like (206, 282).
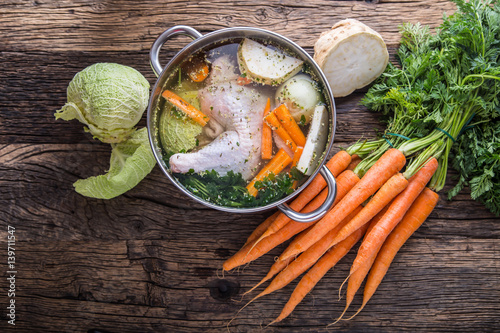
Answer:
(351, 55)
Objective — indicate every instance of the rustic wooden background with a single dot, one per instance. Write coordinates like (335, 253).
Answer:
(149, 261)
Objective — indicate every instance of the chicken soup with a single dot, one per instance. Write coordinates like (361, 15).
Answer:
(243, 123)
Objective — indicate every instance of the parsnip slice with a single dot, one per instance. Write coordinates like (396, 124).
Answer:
(265, 65)
(315, 141)
(351, 55)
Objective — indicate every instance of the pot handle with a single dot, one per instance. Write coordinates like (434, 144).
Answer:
(320, 211)
(155, 49)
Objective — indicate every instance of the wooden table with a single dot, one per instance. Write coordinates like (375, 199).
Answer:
(150, 260)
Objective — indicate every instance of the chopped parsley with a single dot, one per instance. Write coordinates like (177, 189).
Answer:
(229, 190)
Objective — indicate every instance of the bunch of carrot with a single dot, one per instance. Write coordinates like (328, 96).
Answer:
(383, 208)
(377, 203)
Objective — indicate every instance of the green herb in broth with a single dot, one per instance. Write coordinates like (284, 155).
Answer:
(229, 190)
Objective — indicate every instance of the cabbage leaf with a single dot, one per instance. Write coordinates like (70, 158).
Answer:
(177, 132)
(130, 162)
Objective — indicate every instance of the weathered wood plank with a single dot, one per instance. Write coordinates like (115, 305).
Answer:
(37, 195)
(150, 260)
(165, 285)
(34, 87)
(37, 66)
(124, 26)
(26, 88)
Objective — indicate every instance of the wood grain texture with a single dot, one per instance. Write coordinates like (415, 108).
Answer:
(125, 26)
(43, 176)
(155, 256)
(175, 285)
(32, 96)
(150, 260)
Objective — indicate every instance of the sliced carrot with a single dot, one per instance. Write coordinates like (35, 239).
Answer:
(198, 71)
(290, 125)
(296, 157)
(275, 165)
(391, 162)
(394, 214)
(382, 198)
(276, 126)
(413, 219)
(185, 107)
(243, 81)
(266, 148)
(254, 250)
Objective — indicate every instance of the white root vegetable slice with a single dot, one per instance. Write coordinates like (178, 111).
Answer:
(265, 65)
(300, 94)
(315, 142)
(351, 55)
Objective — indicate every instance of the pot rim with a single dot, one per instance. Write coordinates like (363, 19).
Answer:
(200, 41)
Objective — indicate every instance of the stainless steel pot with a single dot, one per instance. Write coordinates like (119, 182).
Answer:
(202, 41)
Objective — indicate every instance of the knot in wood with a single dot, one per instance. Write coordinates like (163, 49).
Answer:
(223, 290)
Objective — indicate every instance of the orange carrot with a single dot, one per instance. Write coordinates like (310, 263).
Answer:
(185, 107)
(321, 246)
(296, 266)
(277, 267)
(357, 278)
(316, 273)
(296, 157)
(384, 195)
(300, 264)
(198, 71)
(306, 258)
(261, 228)
(336, 165)
(243, 81)
(345, 182)
(355, 281)
(287, 121)
(275, 165)
(266, 148)
(413, 219)
(320, 198)
(254, 250)
(388, 164)
(394, 214)
(276, 126)
(355, 159)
